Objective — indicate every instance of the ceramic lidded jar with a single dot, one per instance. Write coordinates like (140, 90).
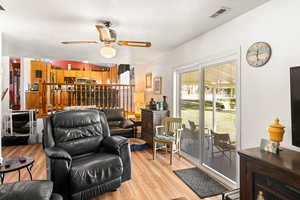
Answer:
(276, 131)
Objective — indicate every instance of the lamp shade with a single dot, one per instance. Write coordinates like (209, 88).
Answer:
(139, 100)
(139, 97)
(108, 51)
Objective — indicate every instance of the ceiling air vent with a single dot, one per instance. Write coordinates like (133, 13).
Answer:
(1, 8)
(220, 12)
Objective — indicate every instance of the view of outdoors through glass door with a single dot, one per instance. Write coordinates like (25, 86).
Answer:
(216, 148)
(219, 147)
(189, 112)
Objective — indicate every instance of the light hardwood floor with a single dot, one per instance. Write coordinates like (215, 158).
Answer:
(151, 180)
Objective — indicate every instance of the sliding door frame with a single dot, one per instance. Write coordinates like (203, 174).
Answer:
(177, 86)
(200, 65)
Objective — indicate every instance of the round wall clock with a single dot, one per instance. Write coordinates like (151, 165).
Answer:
(259, 54)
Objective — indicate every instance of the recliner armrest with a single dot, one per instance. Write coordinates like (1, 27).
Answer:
(60, 164)
(57, 153)
(35, 190)
(120, 146)
(55, 196)
(114, 143)
(127, 123)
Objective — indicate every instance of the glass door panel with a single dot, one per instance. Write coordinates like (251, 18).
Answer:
(219, 149)
(189, 112)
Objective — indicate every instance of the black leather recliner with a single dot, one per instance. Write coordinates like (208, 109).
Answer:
(28, 190)
(118, 124)
(85, 161)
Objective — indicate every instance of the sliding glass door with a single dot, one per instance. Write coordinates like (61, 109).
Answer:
(206, 102)
(219, 92)
(189, 112)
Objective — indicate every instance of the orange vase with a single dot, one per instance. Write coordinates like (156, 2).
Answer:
(276, 131)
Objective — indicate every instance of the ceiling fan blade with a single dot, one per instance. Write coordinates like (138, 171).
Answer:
(80, 42)
(1, 8)
(104, 33)
(134, 44)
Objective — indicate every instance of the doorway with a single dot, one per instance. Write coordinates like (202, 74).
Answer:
(207, 99)
(219, 138)
(189, 111)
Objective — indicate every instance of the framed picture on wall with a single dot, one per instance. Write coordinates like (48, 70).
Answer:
(149, 80)
(157, 85)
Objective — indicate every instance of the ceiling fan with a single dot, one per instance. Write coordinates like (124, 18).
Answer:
(1, 8)
(108, 37)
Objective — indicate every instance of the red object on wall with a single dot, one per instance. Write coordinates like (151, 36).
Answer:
(75, 65)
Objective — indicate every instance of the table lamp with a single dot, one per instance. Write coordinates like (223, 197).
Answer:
(139, 99)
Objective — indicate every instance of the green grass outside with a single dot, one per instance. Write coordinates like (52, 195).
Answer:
(225, 120)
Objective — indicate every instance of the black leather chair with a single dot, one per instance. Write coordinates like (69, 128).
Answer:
(28, 190)
(117, 122)
(85, 161)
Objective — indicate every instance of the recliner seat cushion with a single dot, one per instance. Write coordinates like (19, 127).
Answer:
(120, 131)
(78, 132)
(95, 169)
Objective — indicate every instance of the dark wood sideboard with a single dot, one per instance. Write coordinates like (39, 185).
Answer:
(151, 119)
(277, 176)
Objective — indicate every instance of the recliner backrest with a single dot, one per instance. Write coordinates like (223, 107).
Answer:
(79, 131)
(114, 114)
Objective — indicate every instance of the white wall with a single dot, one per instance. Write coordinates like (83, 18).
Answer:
(24, 79)
(157, 70)
(265, 91)
(139, 71)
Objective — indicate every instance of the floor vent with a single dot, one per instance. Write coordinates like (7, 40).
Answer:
(220, 12)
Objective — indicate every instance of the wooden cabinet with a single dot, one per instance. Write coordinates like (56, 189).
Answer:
(78, 74)
(32, 100)
(42, 72)
(94, 75)
(114, 74)
(98, 77)
(38, 72)
(60, 76)
(276, 176)
(105, 77)
(69, 73)
(151, 119)
(86, 74)
(57, 76)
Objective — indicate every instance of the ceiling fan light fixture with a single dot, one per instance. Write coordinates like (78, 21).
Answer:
(108, 51)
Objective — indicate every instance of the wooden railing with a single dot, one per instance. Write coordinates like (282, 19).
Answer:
(55, 96)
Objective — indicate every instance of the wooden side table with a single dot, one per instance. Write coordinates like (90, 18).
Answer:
(15, 164)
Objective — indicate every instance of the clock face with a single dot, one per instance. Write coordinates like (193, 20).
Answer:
(259, 54)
